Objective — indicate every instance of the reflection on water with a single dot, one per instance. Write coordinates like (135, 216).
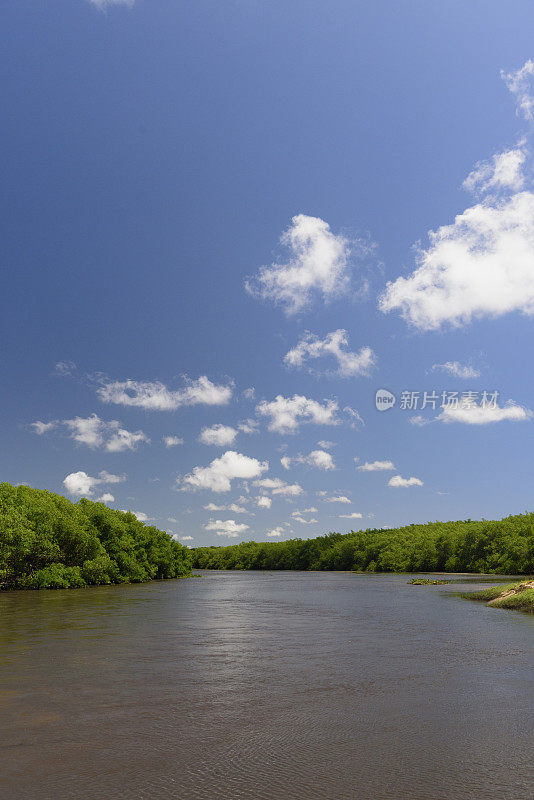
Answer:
(265, 686)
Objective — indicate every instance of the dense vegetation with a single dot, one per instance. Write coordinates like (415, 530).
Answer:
(47, 542)
(504, 546)
(517, 596)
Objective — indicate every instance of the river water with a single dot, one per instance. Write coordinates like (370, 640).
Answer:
(275, 686)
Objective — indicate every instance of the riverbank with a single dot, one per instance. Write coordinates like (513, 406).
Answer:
(516, 596)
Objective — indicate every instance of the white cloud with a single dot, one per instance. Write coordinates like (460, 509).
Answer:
(41, 428)
(456, 369)
(219, 474)
(226, 527)
(354, 515)
(287, 413)
(95, 432)
(376, 466)
(172, 519)
(340, 498)
(398, 481)
(419, 421)
(471, 414)
(298, 518)
(141, 516)
(105, 498)
(186, 538)
(64, 368)
(320, 459)
(277, 486)
(311, 510)
(248, 426)
(325, 445)
(264, 502)
(230, 507)
(219, 435)
(354, 417)
(334, 344)
(278, 531)
(103, 4)
(155, 396)
(318, 264)
(81, 484)
(481, 265)
(250, 393)
(519, 84)
(172, 441)
(317, 458)
(502, 171)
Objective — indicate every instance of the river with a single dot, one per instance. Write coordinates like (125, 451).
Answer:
(265, 686)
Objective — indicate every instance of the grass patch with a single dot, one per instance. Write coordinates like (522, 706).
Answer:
(516, 596)
(427, 582)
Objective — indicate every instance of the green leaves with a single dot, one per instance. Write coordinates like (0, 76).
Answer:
(47, 542)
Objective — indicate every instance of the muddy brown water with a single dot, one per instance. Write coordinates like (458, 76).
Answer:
(265, 686)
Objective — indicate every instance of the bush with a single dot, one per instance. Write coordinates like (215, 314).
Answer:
(48, 542)
(56, 576)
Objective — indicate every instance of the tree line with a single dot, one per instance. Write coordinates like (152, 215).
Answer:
(47, 542)
(503, 546)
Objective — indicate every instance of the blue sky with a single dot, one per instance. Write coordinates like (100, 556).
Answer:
(311, 200)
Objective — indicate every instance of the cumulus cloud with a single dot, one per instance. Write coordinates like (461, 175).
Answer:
(186, 538)
(456, 369)
(471, 414)
(317, 458)
(502, 171)
(339, 498)
(519, 83)
(278, 531)
(219, 435)
(250, 393)
(98, 433)
(172, 441)
(335, 344)
(81, 484)
(233, 507)
(41, 428)
(481, 265)
(400, 482)
(354, 515)
(263, 501)
(319, 264)
(226, 527)
(219, 474)
(325, 445)
(286, 414)
(141, 516)
(297, 517)
(277, 486)
(376, 466)
(105, 498)
(155, 396)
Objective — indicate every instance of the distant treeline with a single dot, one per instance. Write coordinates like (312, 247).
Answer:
(47, 542)
(505, 546)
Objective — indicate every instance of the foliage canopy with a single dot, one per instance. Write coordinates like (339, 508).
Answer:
(47, 542)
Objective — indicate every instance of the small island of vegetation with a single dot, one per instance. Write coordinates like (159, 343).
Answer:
(47, 542)
(516, 596)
